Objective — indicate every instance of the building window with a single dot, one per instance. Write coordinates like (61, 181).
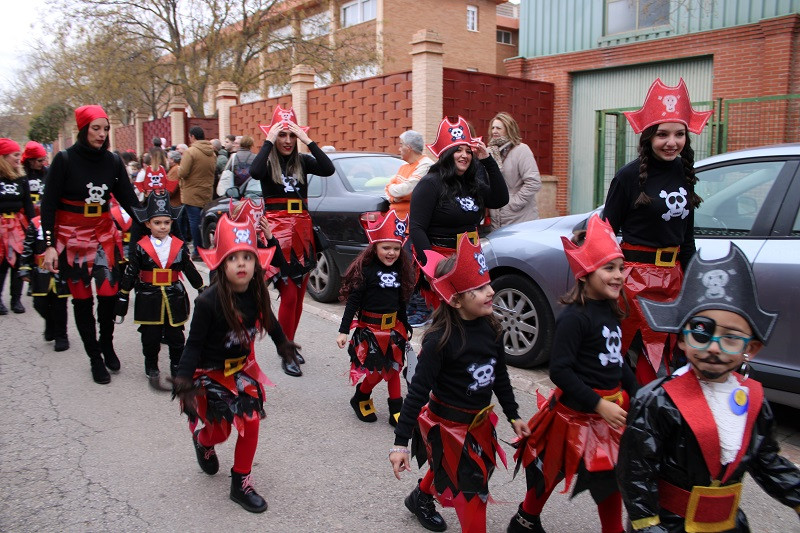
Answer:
(316, 26)
(357, 12)
(504, 37)
(472, 18)
(631, 15)
(280, 38)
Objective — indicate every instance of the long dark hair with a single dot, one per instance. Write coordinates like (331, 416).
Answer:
(354, 276)
(452, 183)
(83, 137)
(294, 167)
(258, 287)
(446, 318)
(646, 153)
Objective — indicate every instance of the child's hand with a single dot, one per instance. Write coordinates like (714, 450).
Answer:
(263, 225)
(521, 428)
(400, 461)
(341, 340)
(611, 413)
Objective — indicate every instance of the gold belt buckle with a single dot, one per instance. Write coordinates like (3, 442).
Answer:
(126, 237)
(294, 206)
(34, 197)
(480, 418)
(471, 235)
(388, 320)
(9, 215)
(710, 494)
(615, 398)
(233, 365)
(92, 210)
(158, 277)
(671, 263)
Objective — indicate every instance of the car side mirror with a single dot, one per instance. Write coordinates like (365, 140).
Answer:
(233, 192)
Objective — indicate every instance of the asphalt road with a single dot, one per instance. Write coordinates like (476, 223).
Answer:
(77, 456)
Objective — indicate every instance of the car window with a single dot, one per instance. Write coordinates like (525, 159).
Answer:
(368, 173)
(314, 186)
(253, 189)
(733, 196)
(796, 226)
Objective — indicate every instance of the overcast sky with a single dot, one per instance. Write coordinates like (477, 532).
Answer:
(18, 29)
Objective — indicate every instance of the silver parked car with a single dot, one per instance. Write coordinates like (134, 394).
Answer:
(751, 198)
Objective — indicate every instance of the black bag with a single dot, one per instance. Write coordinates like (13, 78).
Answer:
(321, 242)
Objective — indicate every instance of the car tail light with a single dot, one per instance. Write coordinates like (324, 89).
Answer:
(369, 218)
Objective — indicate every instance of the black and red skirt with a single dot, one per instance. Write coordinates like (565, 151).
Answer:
(291, 224)
(378, 345)
(12, 236)
(89, 247)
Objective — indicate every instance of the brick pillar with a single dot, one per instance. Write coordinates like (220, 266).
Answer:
(227, 97)
(115, 123)
(177, 120)
(302, 82)
(139, 119)
(427, 101)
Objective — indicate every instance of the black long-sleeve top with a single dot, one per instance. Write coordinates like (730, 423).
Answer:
(381, 293)
(586, 355)
(668, 220)
(211, 341)
(318, 164)
(433, 215)
(71, 181)
(463, 374)
(35, 180)
(15, 196)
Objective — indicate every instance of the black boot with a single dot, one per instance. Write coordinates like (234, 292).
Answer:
(424, 509)
(84, 321)
(57, 317)
(524, 522)
(206, 457)
(3, 272)
(291, 368)
(48, 329)
(105, 318)
(395, 405)
(363, 406)
(299, 358)
(243, 493)
(16, 292)
(3, 308)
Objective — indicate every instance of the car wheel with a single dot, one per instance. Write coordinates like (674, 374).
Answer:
(208, 235)
(324, 281)
(526, 320)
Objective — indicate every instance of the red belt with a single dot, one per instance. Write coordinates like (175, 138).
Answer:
(703, 508)
(386, 321)
(88, 210)
(664, 257)
(290, 205)
(160, 277)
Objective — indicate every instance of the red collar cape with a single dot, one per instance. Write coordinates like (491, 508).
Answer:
(686, 394)
(174, 248)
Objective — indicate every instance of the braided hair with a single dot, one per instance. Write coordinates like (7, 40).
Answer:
(646, 153)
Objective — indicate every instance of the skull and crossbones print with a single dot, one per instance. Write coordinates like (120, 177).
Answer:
(676, 204)
(241, 236)
(388, 280)
(481, 259)
(289, 183)
(614, 347)
(715, 281)
(96, 193)
(399, 228)
(482, 375)
(10, 188)
(467, 203)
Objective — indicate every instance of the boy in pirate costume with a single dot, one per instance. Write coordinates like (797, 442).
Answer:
(154, 269)
(692, 436)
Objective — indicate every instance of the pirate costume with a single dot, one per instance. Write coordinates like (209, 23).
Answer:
(155, 180)
(448, 410)
(49, 291)
(568, 438)
(380, 329)
(251, 210)
(154, 269)
(689, 441)
(437, 220)
(35, 178)
(657, 237)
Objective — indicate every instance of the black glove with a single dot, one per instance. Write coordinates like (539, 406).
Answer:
(185, 390)
(287, 350)
(121, 305)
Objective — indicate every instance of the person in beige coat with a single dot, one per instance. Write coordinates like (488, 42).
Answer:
(519, 169)
(198, 165)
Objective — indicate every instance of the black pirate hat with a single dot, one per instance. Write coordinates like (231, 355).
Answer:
(727, 284)
(157, 206)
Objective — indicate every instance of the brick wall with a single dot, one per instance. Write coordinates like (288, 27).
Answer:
(478, 97)
(245, 118)
(739, 56)
(210, 127)
(160, 127)
(125, 138)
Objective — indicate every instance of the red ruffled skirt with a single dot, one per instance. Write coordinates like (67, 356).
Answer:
(295, 234)
(12, 236)
(85, 242)
(373, 349)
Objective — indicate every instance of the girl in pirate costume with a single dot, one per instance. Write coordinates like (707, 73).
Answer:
(283, 172)
(154, 269)
(49, 290)
(692, 436)
(219, 381)
(153, 177)
(651, 200)
(251, 210)
(447, 408)
(376, 287)
(17, 210)
(577, 429)
(450, 200)
(34, 164)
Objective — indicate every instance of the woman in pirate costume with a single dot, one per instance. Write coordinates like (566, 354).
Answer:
(376, 287)
(83, 244)
(34, 164)
(219, 360)
(450, 200)
(651, 200)
(447, 408)
(283, 173)
(692, 436)
(154, 269)
(17, 210)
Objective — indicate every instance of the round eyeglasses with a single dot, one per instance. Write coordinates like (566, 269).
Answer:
(699, 335)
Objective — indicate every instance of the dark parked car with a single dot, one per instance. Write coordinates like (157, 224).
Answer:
(751, 198)
(336, 204)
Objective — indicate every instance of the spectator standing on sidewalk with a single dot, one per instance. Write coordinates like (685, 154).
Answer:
(197, 169)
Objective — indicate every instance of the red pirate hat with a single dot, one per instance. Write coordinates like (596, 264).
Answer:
(251, 210)
(667, 104)
(452, 134)
(282, 115)
(391, 228)
(599, 248)
(470, 271)
(234, 237)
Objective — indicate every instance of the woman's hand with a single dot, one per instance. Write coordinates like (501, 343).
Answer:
(400, 461)
(50, 259)
(479, 148)
(611, 413)
(276, 128)
(341, 340)
(521, 428)
(298, 131)
(263, 225)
